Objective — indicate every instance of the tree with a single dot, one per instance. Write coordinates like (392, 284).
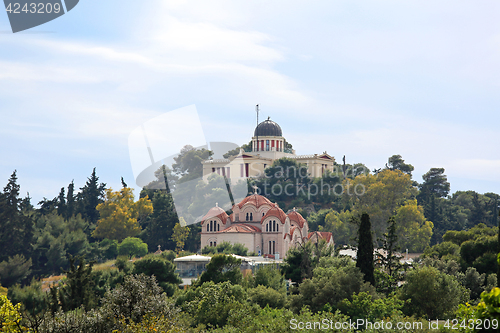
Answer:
(396, 162)
(132, 247)
(379, 196)
(334, 279)
(159, 226)
(390, 261)
(222, 268)
(90, 196)
(433, 294)
(364, 259)
(10, 316)
(179, 236)
(138, 296)
(162, 269)
(77, 290)
(188, 163)
(15, 270)
(70, 200)
(16, 228)
(413, 230)
(120, 215)
(301, 260)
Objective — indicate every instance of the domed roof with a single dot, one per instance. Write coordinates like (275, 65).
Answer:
(275, 211)
(294, 216)
(256, 200)
(215, 212)
(268, 128)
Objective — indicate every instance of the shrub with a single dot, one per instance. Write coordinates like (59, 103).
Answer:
(133, 247)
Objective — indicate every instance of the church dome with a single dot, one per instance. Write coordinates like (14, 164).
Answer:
(268, 128)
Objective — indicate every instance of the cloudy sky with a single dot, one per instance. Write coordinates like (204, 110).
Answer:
(362, 79)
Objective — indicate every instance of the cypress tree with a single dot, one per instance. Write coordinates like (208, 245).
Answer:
(364, 259)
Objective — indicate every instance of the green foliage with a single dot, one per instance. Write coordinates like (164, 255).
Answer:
(433, 294)
(271, 277)
(222, 268)
(108, 248)
(443, 250)
(210, 304)
(16, 227)
(334, 280)
(227, 248)
(132, 247)
(169, 255)
(89, 197)
(364, 260)
(124, 265)
(32, 298)
(162, 269)
(15, 270)
(478, 231)
(265, 296)
(480, 253)
(364, 306)
(396, 162)
(137, 296)
(301, 260)
(389, 262)
(77, 290)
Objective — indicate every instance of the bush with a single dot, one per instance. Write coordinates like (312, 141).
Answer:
(265, 296)
(162, 269)
(133, 247)
(15, 270)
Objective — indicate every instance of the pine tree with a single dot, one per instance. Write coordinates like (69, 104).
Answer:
(90, 196)
(61, 203)
(70, 200)
(365, 249)
(16, 228)
(390, 262)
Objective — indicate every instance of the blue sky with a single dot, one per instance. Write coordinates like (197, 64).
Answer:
(366, 80)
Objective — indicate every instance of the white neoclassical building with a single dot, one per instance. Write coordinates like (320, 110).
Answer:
(268, 145)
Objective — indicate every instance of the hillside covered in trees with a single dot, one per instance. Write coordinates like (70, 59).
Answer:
(88, 235)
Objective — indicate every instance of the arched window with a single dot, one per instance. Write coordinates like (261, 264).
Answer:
(215, 243)
(277, 225)
(210, 243)
(270, 248)
(251, 216)
(208, 227)
(218, 227)
(247, 217)
(267, 227)
(263, 214)
(274, 225)
(211, 226)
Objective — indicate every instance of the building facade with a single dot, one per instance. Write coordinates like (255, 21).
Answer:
(267, 145)
(260, 225)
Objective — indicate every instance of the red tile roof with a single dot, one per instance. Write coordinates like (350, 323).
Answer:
(215, 212)
(294, 216)
(321, 235)
(256, 200)
(275, 211)
(241, 227)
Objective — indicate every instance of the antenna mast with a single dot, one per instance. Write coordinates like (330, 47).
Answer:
(257, 109)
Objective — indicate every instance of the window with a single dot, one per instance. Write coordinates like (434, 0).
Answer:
(251, 217)
(208, 227)
(267, 227)
(211, 243)
(267, 145)
(211, 226)
(274, 247)
(274, 225)
(215, 243)
(218, 227)
(247, 217)
(270, 247)
(277, 224)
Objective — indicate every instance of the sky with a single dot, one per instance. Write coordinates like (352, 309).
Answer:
(362, 79)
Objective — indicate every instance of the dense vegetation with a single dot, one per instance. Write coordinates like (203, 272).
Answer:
(84, 243)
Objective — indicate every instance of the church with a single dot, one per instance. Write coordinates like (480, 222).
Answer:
(260, 225)
(267, 145)
(256, 222)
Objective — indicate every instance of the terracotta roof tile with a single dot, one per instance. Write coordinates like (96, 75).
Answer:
(294, 216)
(255, 199)
(275, 211)
(215, 212)
(240, 227)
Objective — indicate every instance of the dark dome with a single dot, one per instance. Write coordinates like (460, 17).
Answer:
(268, 128)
